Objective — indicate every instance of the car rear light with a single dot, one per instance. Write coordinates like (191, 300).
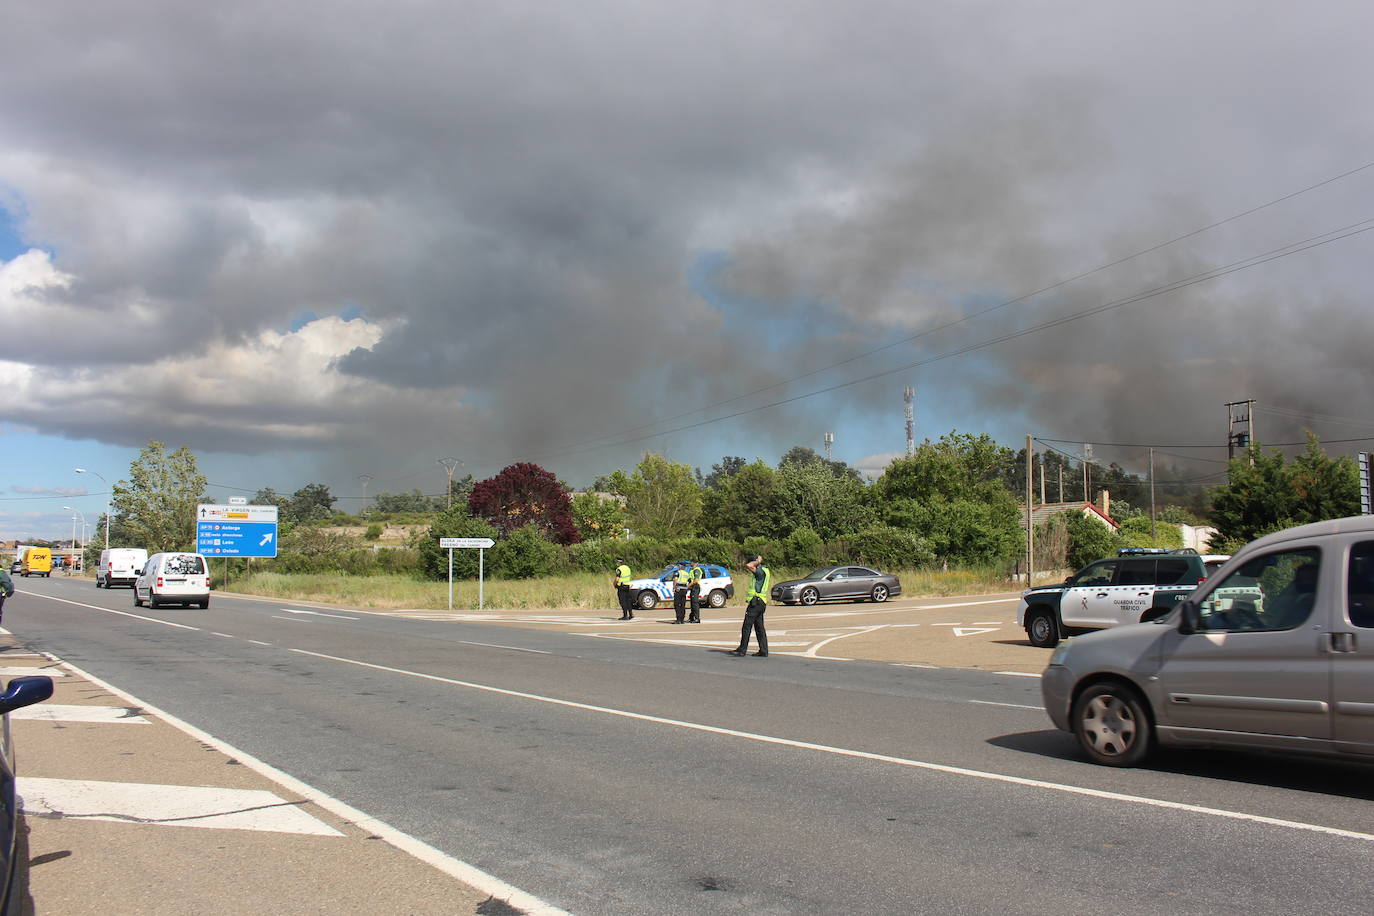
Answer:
(159, 582)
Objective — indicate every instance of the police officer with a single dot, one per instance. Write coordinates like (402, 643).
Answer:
(622, 590)
(694, 593)
(682, 581)
(6, 589)
(758, 603)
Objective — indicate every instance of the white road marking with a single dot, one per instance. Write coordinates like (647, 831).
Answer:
(946, 624)
(317, 613)
(973, 631)
(225, 635)
(812, 652)
(869, 755)
(490, 645)
(1012, 705)
(915, 665)
(167, 806)
(56, 712)
(16, 671)
(95, 607)
(453, 867)
(292, 619)
(987, 623)
(1017, 673)
(259, 642)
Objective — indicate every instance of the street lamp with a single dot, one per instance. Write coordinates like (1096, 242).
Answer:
(448, 464)
(365, 479)
(107, 504)
(83, 523)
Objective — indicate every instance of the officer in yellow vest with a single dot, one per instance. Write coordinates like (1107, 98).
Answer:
(622, 590)
(682, 583)
(758, 602)
(694, 593)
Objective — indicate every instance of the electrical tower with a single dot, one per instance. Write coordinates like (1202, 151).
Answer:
(829, 441)
(909, 395)
(1240, 428)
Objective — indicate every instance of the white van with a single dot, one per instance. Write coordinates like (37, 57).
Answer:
(173, 578)
(119, 566)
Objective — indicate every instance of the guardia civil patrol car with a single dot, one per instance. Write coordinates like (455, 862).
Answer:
(716, 586)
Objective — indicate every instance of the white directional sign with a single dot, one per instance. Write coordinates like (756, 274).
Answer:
(451, 543)
(236, 531)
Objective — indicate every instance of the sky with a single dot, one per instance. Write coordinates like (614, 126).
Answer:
(335, 242)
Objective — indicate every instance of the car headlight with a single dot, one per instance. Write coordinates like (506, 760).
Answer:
(1060, 652)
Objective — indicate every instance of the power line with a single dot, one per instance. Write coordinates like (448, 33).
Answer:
(1284, 251)
(992, 308)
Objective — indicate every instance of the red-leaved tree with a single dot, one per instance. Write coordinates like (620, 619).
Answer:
(525, 494)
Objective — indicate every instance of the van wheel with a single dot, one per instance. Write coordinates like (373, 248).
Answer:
(1042, 629)
(205, 605)
(646, 600)
(716, 598)
(152, 601)
(1112, 725)
(138, 602)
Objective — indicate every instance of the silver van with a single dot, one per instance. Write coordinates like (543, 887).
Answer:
(173, 578)
(1275, 651)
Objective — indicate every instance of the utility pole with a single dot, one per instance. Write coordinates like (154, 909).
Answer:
(909, 395)
(1152, 495)
(1087, 457)
(1030, 521)
(1240, 438)
(448, 464)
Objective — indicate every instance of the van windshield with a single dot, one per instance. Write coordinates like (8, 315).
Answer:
(184, 565)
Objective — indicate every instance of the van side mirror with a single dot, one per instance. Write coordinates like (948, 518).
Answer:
(139, 571)
(1190, 619)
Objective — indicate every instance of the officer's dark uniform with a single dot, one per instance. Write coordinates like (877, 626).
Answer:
(694, 593)
(681, 581)
(753, 614)
(622, 592)
(6, 589)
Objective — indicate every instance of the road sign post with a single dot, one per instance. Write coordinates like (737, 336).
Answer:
(480, 545)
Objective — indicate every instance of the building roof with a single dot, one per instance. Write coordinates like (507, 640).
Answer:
(1043, 512)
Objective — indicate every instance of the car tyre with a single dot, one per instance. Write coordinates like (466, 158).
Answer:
(716, 598)
(809, 596)
(152, 599)
(879, 593)
(1112, 724)
(1042, 629)
(205, 605)
(138, 602)
(646, 600)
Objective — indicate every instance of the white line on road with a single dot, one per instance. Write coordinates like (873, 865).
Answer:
(317, 613)
(868, 755)
(1017, 673)
(491, 645)
(56, 712)
(814, 650)
(225, 635)
(259, 642)
(96, 607)
(1012, 705)
(18, 671)
(453, 867)
(293, 619)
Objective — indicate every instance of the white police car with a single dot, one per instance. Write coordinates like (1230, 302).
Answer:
(716, 586)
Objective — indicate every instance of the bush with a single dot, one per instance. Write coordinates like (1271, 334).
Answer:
(524, 554)
(453, 524)
(593, 556)
(704, 550)
(374, 532)
(890, 548)
(803, 548)
(770, 549)
(1135, 532)
(1089, 540)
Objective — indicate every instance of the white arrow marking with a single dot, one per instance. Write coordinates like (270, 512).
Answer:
(974, 631)
(266, 539)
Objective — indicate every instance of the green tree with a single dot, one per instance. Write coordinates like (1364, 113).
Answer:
(157, 505)
(802, 455)
(810, 494)
(744, 504)
(1089, 540)
(525, 553)
(662, 499)
(1135, 532)
(1272, 495)
(597, 517)
(412, 502)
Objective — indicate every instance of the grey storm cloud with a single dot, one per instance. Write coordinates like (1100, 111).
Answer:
(512, 197)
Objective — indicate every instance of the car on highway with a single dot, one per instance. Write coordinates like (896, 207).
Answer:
(16, 566)
(716, 586)
(19, 692)
(173, 578)
(838, 583)
(1275, 652)
(1134, 586)
(119, 566)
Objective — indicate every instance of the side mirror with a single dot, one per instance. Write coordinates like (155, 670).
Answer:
(1190, 620)
(25, 691)
(1068, 580)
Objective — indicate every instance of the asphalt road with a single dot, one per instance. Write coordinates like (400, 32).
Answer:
(612, 776)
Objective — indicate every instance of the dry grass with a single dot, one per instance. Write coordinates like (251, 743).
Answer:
(575, 590)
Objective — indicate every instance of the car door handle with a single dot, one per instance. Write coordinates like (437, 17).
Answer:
(1342, 643)
(1101, 594)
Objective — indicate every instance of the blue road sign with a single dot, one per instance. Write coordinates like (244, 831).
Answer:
(233, 538)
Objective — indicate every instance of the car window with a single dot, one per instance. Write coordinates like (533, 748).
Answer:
(1175, 572)
(1098, 574)
(1137, 572)
(1275, 591)
(1213, 565)
(1359, 585)
(841, 573)
(859, 572)
(183, 565)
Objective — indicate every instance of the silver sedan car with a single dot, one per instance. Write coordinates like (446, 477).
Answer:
(838, 583)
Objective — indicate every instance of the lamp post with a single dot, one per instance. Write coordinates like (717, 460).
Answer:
(83, 525)
(365, 479)
(448, 464)
(107, 504)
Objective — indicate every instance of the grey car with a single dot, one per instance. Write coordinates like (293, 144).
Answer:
(838, 583)
(1275, 651)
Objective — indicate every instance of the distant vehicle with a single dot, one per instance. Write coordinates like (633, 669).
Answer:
(20, 692)
(36, 561)
(173, 578)
(16, 566)
(838, 583)
(1112, 592)
(1270, 654)
(716, 586)
(119, 566)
